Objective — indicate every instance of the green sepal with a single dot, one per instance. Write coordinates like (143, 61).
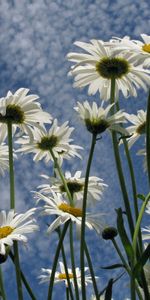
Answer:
(141, 196)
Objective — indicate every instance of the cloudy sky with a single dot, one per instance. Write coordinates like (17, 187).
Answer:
(35, 37)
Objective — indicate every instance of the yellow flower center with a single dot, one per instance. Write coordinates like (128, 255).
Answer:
(146, 48)
(76, 212)
(64, 276)
(5, 231)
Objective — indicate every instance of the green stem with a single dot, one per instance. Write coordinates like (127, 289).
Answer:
(18, 273)
(12, 206)
(65, 266)
(148, 137)
(119, 167)
(11, 166)
(91, 271)
(50, 290)
(137, 227)
(28, 288)
(127, 268)
(62, 177)
(2, 289)
(73, 263)
(84, 215)
(67, 293)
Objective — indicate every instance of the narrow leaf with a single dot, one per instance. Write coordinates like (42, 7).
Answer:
(142, 261)
(123, 235)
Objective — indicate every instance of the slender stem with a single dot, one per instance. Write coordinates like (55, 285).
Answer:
(119, 167)
(11, 166)
(12, 206)
(2, 289)
(126, 267)
(62, 177)
(28, 288)
(67, 293)
(148, 137)
(18, 273)
(84, 215)
(91, 271)
(73, 263)
(137, 227)
(50, 290)
(65, 266)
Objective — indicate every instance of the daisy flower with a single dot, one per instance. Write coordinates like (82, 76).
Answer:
(62, 277)
(56, 205)
(146, 233)
(76, 186)
(140, 50)
(13, 227)
(100, 64)
(56, 139)
(22, 111)
(97, 119)
(138, 127)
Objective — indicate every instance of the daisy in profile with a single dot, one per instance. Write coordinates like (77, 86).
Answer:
(75, 185)
(23, 111)
(57, 206)
(56, 139)
(100, 64)
(97, 118)
(62, 277)
(140, 50)
(4, 156)
(138, 127)
(143, 152)
(13, 227)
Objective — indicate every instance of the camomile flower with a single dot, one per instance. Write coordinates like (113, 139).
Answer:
(97, 118)
(76, 186)
(56, 139)
(100, 64)
(140, 50)
(13, 227)
(138, 127)
(57, 206)
(62, 277)
(23, 111)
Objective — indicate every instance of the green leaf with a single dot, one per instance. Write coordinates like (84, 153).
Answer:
(142, 261)
(123, 236)
(115, 266)
(108, 293)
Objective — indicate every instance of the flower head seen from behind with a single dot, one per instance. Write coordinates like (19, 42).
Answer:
(75, 185)
(23, 111)
(13, 227)
(100, 64)
(138, 128)
(62, 277)
(57, 140)
(97, 119)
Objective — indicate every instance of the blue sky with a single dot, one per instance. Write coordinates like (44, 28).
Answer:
(35, 37)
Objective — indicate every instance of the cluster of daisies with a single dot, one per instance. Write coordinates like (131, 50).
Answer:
(122, 64)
